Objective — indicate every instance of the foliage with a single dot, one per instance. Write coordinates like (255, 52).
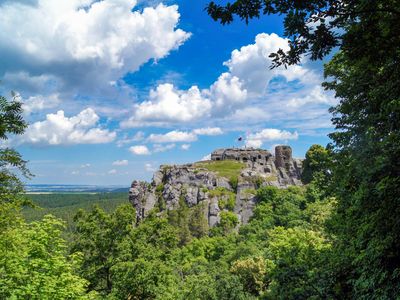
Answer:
(172, 255)
(179, 217)
(228, 222)
(11, 162)
(99, 236)
(366, 173)
(33, 264)
(279, 207)
(160, 199)
(317, 165)
(252, 272)
(143, 279)
(198, 224)
(364, 75)
(33, 260)
(367, 147)
(226, 198)
(314, 27)
(296, 253)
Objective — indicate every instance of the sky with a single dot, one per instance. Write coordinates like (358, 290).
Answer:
(113, 89)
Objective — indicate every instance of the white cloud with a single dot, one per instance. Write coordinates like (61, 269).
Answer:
(269, 134)
(112, 172)
(167, 104)
(39, 102)
(315, 96)
(208, 131)
(227, 93)
(162, 148)
(123, 162)
(185, 147)
(139, 150)
(83, 166)
(207, 157)
(74, 39)
(251, 64)
(58, 129)
(173, 137)
(241, 91)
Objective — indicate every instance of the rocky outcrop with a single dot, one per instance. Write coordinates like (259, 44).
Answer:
(206, 183)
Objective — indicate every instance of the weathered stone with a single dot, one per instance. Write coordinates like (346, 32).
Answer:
(192, 183)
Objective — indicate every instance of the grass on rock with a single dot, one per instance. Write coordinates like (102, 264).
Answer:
(224, 168)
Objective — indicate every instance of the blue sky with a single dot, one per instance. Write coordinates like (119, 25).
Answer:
(114, 88)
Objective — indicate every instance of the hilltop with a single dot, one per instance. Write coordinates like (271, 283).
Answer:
(227, 182)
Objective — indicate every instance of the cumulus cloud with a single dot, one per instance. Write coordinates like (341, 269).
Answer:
(208, 131)
(74, 39)
(58, 129)
(315, 96)
(167, 104)
(39, 103)
(251, 64)
(139, 150)
(248, 88)
(267, 135)
(227, 93)
(123, 162)
(167, 141)
(173, 137)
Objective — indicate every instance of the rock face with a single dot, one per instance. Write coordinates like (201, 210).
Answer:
(202, 182)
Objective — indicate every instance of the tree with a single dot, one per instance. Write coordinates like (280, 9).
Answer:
(34, 265)
(198, 225)
(11, 162)
(180, 218)
(228, 221)
(252, 272)
(367, 168)
(100, 236)
(143, 279)
(314, 27)
(296, 266)
(364, 75)
(317, 165)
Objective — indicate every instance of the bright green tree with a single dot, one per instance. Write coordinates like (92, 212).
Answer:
(297, 266)
(252, 273)
(317, 165)
(11, 163)
(99, 237)
(34, 264)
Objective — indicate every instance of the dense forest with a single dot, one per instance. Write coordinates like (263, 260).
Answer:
(337, 237)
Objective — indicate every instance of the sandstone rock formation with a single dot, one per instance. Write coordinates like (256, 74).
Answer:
(215, 183)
